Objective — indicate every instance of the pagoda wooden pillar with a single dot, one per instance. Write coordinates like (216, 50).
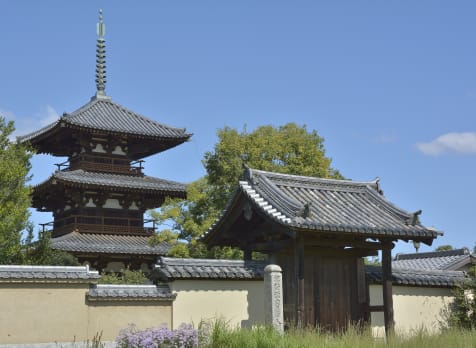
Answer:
(387, 287)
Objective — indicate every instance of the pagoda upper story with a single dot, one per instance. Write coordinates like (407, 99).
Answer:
(101, 188)
(104, 136)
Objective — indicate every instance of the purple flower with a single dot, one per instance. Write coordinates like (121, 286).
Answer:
(185, 336)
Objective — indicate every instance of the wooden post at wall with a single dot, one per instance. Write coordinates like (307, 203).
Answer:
(247, 255)
(299, 279)
(387, 288)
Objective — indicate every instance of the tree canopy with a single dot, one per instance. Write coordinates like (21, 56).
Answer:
(446, 247)
(289, 149)
(14, 193)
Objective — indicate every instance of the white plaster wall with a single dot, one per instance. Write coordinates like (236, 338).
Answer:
(414, 308)
(240, 303)
(118, 151)
(112, 203)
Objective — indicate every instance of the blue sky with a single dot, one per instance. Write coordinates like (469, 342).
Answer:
(390, 85)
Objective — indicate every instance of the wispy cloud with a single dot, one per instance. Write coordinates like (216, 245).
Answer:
(25, 125)
(48, 116)
(462, 143)
(7, 114)
(386, 138)
(471, 94)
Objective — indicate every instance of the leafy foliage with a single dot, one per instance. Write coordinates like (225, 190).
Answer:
(125, 277)
(462, 312)
(444, 248)
(40, 252)
(372, 261)
(289, 149)
(14, 194)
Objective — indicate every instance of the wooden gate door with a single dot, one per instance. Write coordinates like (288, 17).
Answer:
(336, 292)
(333, 297)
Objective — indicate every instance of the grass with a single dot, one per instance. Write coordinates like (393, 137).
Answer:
(220, 335)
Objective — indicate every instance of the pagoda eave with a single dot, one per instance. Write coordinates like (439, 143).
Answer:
(58, 140)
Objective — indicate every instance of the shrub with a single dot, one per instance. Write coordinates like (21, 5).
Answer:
(126, 277)
(184, 337)
(462, 312)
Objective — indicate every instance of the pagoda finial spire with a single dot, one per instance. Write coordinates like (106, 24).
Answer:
(101, 58)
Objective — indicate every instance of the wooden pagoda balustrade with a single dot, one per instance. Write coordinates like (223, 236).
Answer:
(100, 224)
(103, 164)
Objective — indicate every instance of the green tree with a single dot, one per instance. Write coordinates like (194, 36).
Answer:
(444, 248)
(289, 149)
(14, 194)
(39, 252)
(125, 277)
(462, 311)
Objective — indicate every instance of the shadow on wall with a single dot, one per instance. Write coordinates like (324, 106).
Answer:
(255, 310)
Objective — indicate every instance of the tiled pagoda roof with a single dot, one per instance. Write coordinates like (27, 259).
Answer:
(325, 205)
(108, 244)
(115, 182)
(442, 260)
(102, 115)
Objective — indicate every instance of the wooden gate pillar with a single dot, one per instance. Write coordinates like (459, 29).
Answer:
(387, 287)
(299, 279)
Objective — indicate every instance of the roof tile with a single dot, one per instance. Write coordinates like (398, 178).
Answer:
(15, 273)
(104, 114)
(177, 268)
(81, 177)
(319, 204)
(443, 260)
(107, 243)
(418, 277)
(130, 292)
(169, 269)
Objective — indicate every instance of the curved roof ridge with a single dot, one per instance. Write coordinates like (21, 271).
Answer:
(372, 183)
(129, 111)
(81, 176)
(42, 130)
(389, 205)
(264, 204)
(269, 191)
(108, 243)
(110, 117)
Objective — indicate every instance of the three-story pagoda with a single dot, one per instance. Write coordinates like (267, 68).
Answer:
(98, 197)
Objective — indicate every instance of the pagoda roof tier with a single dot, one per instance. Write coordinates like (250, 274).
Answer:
(114, 182)
(102, 116)
(108, 244)
(316, 206)
(152, 190)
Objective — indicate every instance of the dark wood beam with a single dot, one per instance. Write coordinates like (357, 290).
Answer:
(387, 288)
(361, 252)
(332, 241)
(273, 245)
(376, 308)
(299, 279)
